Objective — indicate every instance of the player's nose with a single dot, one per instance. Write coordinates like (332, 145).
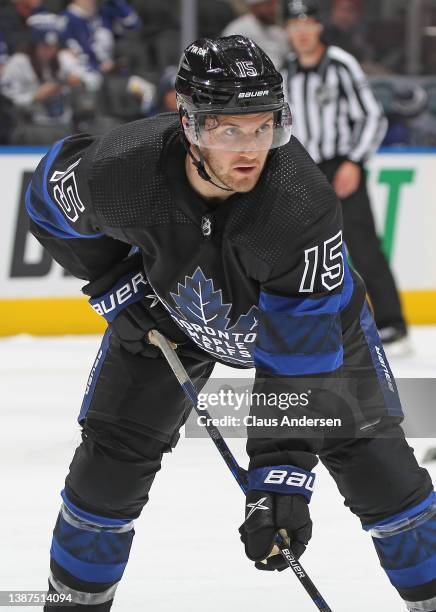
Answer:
(248, 156)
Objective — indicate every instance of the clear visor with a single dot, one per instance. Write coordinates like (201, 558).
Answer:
(259, 131)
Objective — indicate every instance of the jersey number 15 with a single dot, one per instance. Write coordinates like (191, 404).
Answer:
(332, 264)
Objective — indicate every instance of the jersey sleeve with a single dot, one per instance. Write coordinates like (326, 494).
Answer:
(61, 214)
(300, 328)
(299, 349)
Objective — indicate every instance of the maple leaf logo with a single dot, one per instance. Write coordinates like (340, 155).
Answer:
(198, 302)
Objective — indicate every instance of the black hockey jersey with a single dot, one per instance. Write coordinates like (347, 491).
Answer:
(260, 279)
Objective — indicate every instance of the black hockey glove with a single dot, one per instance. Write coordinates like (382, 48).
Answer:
(124, 297)
(277, 501)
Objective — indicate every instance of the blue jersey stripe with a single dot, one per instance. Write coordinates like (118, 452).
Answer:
(294, 365)
(328, 304)
(307, 335)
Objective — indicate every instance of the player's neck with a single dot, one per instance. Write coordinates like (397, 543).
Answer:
(206, 189)
(312, 58)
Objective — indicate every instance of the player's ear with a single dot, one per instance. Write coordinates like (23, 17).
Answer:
(187, 128)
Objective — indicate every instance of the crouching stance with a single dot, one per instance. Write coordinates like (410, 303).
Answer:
(216, 227)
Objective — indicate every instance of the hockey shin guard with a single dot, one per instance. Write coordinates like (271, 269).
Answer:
(406, 547)
(88, 556)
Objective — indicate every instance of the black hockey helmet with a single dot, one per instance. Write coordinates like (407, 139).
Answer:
(302, 9)
(230, 76)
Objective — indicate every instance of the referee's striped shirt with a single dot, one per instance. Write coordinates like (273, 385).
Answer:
(334, 110)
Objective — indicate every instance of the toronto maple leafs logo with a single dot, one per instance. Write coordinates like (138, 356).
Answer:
(203, 315)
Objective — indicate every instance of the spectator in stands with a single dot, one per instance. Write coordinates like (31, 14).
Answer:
(260, 24)
(165, 98)
(346, 29)
(39, 83)
(13, 37)
(213, 17)
(160, 35)
(90, 31)
(13, 27)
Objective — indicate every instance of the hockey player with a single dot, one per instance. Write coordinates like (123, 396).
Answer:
(237, 258)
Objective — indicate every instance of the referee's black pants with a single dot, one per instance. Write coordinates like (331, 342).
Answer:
(366, 252)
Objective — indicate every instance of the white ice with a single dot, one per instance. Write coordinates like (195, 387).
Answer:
(186, 555)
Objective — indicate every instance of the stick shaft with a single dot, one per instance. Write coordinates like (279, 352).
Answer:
(180, 373)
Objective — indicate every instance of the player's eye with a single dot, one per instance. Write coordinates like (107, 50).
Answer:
(264, 129)
(232, 132)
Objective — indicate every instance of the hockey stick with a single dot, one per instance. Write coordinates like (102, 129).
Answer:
(175, 364)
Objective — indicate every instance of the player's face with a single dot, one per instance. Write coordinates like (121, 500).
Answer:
(304, 34)
(239, 170)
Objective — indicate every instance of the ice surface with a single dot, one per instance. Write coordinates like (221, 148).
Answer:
(186, 555)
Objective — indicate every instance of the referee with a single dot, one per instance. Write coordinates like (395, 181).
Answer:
(338, 120)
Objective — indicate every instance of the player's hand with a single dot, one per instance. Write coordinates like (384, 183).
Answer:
(347, 179)
(268, 514)
(132, 326)
(124, 297)
(276, 502)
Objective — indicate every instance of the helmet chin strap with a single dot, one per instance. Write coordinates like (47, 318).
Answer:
(200, 165)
